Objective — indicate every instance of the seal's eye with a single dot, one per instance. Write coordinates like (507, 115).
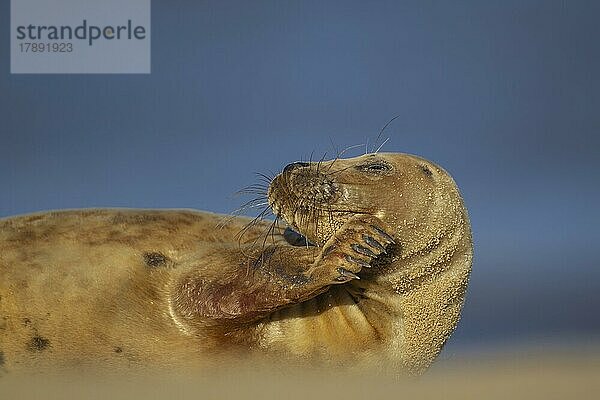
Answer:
(376, 167)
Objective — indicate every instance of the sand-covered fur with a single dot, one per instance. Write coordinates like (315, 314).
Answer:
(378, 277)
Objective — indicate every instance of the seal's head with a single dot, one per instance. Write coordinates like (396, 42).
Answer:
(415, 197)
(422, 278)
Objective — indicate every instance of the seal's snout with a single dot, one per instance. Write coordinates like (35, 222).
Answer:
(294, 165)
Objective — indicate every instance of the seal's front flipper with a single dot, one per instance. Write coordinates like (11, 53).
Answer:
(253, 283)
(352, 248)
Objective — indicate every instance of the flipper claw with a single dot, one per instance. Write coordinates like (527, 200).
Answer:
(346, 275)
(357, 261)
(363, 250)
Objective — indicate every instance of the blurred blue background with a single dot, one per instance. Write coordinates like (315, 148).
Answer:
(504, 95)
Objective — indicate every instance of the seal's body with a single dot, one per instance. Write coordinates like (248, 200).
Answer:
(378, 277)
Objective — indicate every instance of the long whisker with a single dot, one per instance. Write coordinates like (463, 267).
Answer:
(263, 186)
(337, 157)
(252, 190)
(383, 129)
(382, 144)
(321, 161)
(335, 148)
(341, 153)
(254, 203)
(249, 225)
(228, 218)
(257, 192)
(249, 207)
(349, 148)
(269, 233)
(265, 176)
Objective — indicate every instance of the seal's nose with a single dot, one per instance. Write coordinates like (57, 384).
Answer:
(293, 166)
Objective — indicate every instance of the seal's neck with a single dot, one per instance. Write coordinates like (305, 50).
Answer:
(411, 270)
(430, 281)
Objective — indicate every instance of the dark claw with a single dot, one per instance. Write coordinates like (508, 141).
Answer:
(373, 243)
(357, 261)
(346, 274)
(328, 250)
(363, 250)
(384, 234)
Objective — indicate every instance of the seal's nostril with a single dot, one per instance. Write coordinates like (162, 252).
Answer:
(293, 166)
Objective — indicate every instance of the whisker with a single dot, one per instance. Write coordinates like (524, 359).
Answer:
(249, 225)
(335, 148)
(382, 144)
(265, 176)
(223, 221)
(262, 189)
(256, 186)
(254, 200)
(340, 154)
(321, 161)
(331, 165)
(349, 148)
(315, 220)
(252, 192)
(383, 129)
(249, 207)
(269, 233)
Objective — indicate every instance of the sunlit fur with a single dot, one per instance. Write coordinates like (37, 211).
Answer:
(176, 288)
(410, 301)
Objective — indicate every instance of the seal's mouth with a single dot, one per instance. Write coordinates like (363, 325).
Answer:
(309, 201)
(296, 238)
